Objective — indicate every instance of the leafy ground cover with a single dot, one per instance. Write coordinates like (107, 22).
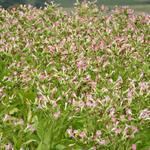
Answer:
(74, 81)
(137, 5)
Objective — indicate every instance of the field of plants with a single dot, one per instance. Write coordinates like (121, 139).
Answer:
(138, 5)
(74, 81)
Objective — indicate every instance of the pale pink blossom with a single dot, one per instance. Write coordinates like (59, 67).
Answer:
(43, 76)
(9, 146)
(143, 86)
(145, 114)
(81, 64)
(41, 100)
(126, 130)
(128, 111)
(52, 49)
(98, 133)
(57, 115)
(70, 132)
(56, 24)
(82, 134)
(89, 103)
(102, 44)
(87, 78)
(93, 84)
(113, 118)
(141, 38)
(130, 94)
(76, 132)
(19, 122)
(112, 111)
(93, 148)
(116, 130)
(81, 104)
(102, 142)
(54, 103)
(130, 118)
(108, 30)
(134, 129)
(122, 117)
(106, 100)
(104, 90)
(7, 117)
(133, 146)
(31, 17)
(31, 128)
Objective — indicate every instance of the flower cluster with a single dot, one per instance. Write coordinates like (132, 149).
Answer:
(76, 80)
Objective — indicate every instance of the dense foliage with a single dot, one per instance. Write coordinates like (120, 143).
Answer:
(74, 81)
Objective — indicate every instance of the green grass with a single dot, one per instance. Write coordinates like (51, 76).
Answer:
(141, 8)
(74, 81)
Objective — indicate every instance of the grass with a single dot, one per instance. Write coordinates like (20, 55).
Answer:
(74, 81)
(141, 8)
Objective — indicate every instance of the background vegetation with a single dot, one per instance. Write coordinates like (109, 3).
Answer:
(139, 5)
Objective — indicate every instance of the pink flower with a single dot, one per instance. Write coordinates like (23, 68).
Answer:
(116, 130)
(70, 132)
(130, 118)
(81, 64)
(101, 44)
(54, 103)
(93, 84)
(30, 127)
(145, 114)
(140, 38)
(55, 24)
(82, 134)
(130, 94)
(9, 147)
(135, 129)
(143, 86)
(41, 100)
(57, 115)
(43, 76)
(7, 117)
(102, 142)
(30, 17)
(133, 146)
(87, 78)
(122, 117)
(112, 111)
(81, 104)
(98, 133)
(90, 103)
(51, 48)
(76, 132)
(128, 112)
(108, 30)
(106, 100)
(19, 122)
(63, 68)
(113, 118)
(93, 148)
